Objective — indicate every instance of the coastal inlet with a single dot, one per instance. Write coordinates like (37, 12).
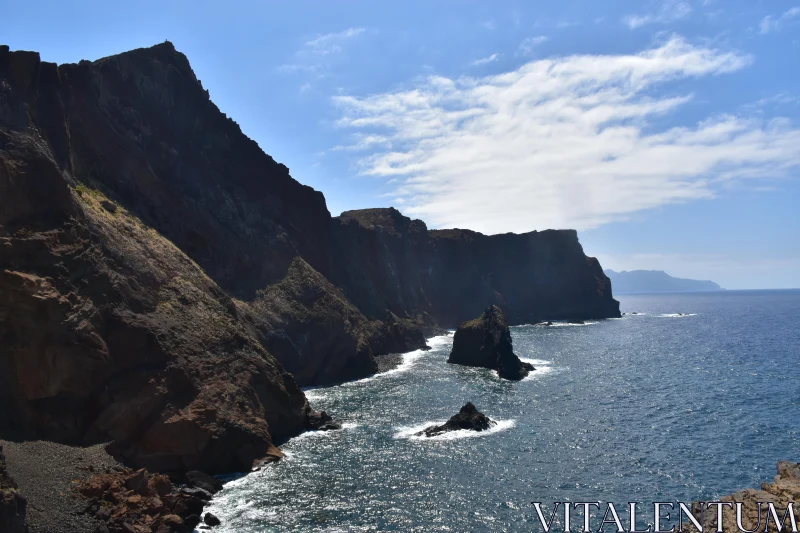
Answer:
(664, 405)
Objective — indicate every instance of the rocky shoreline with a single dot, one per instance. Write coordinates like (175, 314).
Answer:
(784, 489)
(388, 362)
(71, 489)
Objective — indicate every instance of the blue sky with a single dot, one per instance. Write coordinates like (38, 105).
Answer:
(666, 132)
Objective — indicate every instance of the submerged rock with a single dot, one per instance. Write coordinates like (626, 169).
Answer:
(203, 481)
(486, 342)
(322, 421)
(467, 418)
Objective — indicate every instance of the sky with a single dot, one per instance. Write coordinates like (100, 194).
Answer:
(666, 132)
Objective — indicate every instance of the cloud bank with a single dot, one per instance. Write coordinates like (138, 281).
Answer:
(566, 142)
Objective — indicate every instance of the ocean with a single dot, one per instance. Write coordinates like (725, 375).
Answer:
(690, 399)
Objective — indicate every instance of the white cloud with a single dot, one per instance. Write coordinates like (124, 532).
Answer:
(486, 60)
(331, 43)
(313, 57)
(565, 142)
(769, 23)
(489, 25)
(670, 11)
(528, 45)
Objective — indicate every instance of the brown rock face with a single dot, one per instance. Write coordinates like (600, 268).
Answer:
(486, 342)
(13, 506)
(144, 502)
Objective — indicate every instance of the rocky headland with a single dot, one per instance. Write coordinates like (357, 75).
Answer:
(467, 418)
(167, 287)
(486, 342)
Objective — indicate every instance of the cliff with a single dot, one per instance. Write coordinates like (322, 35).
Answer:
(633, 281)
(384, 260)
(166, 286)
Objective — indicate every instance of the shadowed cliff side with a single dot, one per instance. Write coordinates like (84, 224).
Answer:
(387, 261)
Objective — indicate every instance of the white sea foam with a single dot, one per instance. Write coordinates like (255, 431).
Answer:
(409, 359)
(675, 315)
(536, 362)
(410, 432)
(542, 368)
(329, 433)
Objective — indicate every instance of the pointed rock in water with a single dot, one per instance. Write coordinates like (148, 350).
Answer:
(467, 418)
(486, 342)
(322, 421)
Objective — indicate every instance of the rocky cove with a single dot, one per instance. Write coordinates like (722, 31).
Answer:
(167, 288)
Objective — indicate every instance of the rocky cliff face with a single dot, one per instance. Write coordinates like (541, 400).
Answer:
(384, 260)
(165, 284)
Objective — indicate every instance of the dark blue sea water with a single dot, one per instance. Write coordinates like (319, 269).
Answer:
(650, 407)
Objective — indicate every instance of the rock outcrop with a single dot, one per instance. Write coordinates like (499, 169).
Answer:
(167, 286)
(13, 506)
(322, 421)
(784, 489)
(486, 342)
(468, 417)
(126, 500)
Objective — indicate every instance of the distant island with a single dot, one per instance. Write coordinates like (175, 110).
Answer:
(655, 281)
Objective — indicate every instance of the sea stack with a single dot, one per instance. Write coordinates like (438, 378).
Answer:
(467, 418)
(486, 342)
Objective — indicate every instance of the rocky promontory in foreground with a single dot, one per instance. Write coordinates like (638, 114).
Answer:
(486, 342)
(784, 489)
(468, 417)
(167, 287)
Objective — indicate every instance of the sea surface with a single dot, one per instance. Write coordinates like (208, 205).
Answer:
(650, 407)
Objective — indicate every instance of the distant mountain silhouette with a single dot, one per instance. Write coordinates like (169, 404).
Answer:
(655, 281)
